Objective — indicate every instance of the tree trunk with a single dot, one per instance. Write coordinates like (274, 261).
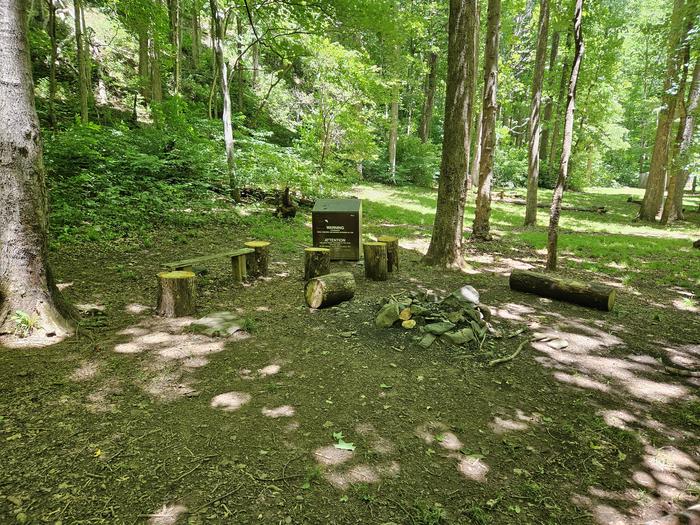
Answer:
(426, 118)
(218, 21)
(176, 294)
(558, 195)
(554, 148)
(143, 67)
(376, 261)
(394, 130)
(258, 262)
(446, 241)
(82, 66)
(673, 207)
(533, 154)
(392, 251)
(549, 104)
(317, 262)
(481, 228)
(54, 58)
(593, 295)
(476, 158)
(175, 38)
(156, 76)
(239, 63)
(329, 290)
(654, 194)
(26, 281)
(196, 33)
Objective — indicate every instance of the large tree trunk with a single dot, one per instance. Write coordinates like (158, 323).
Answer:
(82, 65)
(673, 207)
(533, 154)
(156, 75)
(54, 59)
(175, 38)
(239, 63)
(394, 131)
(656, 183)
(554, 148)
(555, 212)
(426, 118)
(196, 33)
(26, 282)
(476, 157)
(490, 108)
(446, 241)
(549, 104)
(218, 20)
(143, 67)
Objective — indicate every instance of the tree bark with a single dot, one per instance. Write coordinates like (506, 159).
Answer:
(394, 130)
(258, 262)
(533, 154)
(329, 290)
(26, 281)
(218, 22)
(317, 262)
(476, 158)
(446, 241)
(549, 104)
(673, 207)
(481, 228)
(555, 212)
(196, 33)
(376, 261)
(156, 75)
(176, 294)
(654, 194)
(143, 67)
(54, 59)
(392, 251)
(82, 65)
(426, 118)
(554, 148)
(593, 295)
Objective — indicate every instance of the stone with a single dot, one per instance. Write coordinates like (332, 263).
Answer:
(427, 340)
(405, 314)
(218, 324)
(439, 328)
(90, 309)
(388, 315)
(460, 337)
(465, 296)
(409, 324)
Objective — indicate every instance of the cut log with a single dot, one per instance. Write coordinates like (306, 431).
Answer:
(257, 263)
(329, 290)
(376, 266)
(593, 295)
(392, 252)
(317, 261)
(176, 294)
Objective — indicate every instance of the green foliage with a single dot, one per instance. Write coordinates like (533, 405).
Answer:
(417, 163)
(25, 324)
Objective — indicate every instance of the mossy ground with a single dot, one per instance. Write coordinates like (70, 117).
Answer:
(115, 423)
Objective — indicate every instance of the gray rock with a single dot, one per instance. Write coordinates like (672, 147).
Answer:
(427, 340)
(218, 324)
(465, 296)
(439, 328)
(388, 315)
(460, 337)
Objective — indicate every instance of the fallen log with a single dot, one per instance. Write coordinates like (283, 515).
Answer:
(587, 209)
(593, 295)
(329, 290)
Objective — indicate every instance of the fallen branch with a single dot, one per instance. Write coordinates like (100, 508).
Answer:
(588, 209)
(512, 356)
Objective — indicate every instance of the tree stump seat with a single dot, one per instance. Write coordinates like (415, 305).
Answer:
(238, 262)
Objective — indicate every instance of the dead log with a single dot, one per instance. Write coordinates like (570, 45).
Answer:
(392, 252)
(593, 295)
(257, 262)
(317, 261)
(176, 294)
(585, 209)
(329, 290)
(376, 265)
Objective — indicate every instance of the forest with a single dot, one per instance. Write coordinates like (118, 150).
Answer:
(350, 261)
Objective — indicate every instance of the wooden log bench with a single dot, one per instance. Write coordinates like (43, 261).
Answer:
(238, 262)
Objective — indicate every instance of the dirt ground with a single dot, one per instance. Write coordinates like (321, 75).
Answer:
(139, 420)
